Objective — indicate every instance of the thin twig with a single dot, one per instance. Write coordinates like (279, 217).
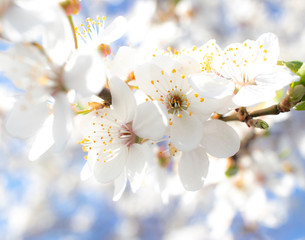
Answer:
(73, 31)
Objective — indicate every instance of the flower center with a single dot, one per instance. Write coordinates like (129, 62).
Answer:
(176, 102)
(245, 81)
(127, 135)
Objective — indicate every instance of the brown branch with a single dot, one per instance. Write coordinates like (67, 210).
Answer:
(293, 96)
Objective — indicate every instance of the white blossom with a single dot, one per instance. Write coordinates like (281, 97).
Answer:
(165, 79)
(247, 71)
(117, 139)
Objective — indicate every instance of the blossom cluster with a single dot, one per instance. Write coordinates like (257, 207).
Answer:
(145, 109)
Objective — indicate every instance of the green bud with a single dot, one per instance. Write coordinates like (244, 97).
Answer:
(296, 93)
(300, 106)
(231, 171)
(258, 123)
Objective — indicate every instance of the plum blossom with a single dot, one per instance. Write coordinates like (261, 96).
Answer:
(165, 79)
(29, 20)
(247, 71)
(118, 139)
(46, 85)
(95, 35)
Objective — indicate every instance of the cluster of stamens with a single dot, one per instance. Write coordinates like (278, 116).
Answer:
(108, 136)
(127, 135)
(91, 30)
(242, 64)
(176, 102)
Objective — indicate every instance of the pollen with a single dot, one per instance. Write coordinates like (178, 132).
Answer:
(196, 95)
(201, 99)
(162, 72)
(170, 123)
(174, 70)
(182, 76)
(152, 82)
(190, 113)
(179, 115)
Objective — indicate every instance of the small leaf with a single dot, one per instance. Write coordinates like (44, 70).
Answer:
(300, 106)
(231, 171)
(258, 123)
(301, 70)
(294, 66)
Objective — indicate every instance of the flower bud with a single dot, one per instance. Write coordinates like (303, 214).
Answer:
(296, 93)
(71, 7)
(258, 123)
(104, 49)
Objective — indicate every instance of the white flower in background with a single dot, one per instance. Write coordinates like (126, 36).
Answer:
(95, 35)
(117, 139)
(46, 84)
(248, 71)
(219, 140)
(165, 79)
(124, 63)
(28, 20)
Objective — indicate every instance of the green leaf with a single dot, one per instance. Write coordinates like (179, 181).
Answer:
(300, 106)
(231, 171)
(301, 70)
(294, 66)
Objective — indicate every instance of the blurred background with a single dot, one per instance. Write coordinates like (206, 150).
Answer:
(265, 199)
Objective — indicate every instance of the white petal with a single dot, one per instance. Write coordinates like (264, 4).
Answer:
(63, 117)
(147, 75)
(26, 118)
(164, 62)
(123, 100)
(119, 186)
(43, 140)
(123, 63)
(86, 172)
(138, 157)
(186, 132)
(57, 39)
(115, 30)
(19, 24)
(221, 106)
(193, 168)
(211, 85)
(219, 139)
(149, 122)
(251, 95)
(270, 43)
(276, 77)
(108, 171)
(85, 73)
